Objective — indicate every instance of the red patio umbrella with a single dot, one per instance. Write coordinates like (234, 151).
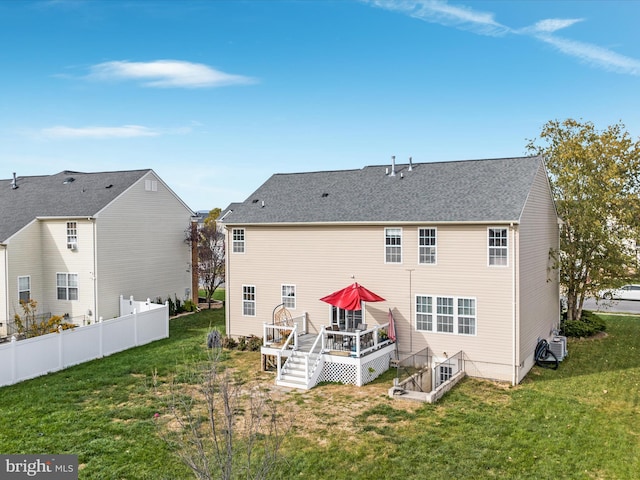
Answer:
(349, 298)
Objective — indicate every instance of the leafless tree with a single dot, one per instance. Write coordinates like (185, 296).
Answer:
(211, 253)
(219, 426)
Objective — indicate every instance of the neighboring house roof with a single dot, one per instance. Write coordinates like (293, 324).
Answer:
(493, 190)
(65, 194)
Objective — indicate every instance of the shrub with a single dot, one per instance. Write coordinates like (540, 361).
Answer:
(254, 343)
(242, 343)
(229, 342)
(189, 306)
(588, 325)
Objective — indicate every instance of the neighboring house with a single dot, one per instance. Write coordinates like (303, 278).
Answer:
(459, 251)
(75, 242)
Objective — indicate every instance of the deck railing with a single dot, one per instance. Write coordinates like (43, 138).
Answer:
(357, 342)
(275, 334)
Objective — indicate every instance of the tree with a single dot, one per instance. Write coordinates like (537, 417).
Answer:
(595, 182)
(220, 426)
(211, 253)
(29, 324)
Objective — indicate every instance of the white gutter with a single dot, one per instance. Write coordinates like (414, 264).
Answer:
(384, 223)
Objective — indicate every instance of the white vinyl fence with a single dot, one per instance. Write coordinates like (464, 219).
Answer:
(24, 359)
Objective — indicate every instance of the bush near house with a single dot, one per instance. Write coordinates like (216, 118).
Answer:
(589, 324)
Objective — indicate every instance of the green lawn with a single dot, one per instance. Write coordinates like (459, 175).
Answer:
(581, 421)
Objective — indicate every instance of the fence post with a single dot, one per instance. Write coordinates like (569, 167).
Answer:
(100, 339)
(60, 349)
(166, 311)
(135, 327)
(14, 367)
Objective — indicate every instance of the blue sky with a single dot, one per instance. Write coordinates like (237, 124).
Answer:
(216, 96)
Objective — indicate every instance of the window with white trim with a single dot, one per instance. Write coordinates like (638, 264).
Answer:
(456, 315)
(237, 235)
(466, 316)
(444, 314)
(289, 296)
(427, 245)
(72, 235)
(249, 300)
(498, 246)
(24, 288)
(67, 286)
(393, 245)
(424, 312)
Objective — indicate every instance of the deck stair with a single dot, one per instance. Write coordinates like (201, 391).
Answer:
(303, 367)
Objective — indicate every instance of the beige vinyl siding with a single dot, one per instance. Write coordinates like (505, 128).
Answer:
(4, 305)
(539, 291)
(57, 258)
(24, 253)
(140, 247)
(322, 259)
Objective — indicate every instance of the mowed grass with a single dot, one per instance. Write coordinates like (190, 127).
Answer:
(581, 421)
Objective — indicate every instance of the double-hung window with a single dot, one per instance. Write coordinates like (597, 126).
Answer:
(67, 286)
(24, 288)
(455, 315)
(466, 316)
(424, 313)
(289, 296)
(238, 240)
(249, 300)
(498, 246)
(427, 245)
(393, 245)
(72, 235)
(444, 314)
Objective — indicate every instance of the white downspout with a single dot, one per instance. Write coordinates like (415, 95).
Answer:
(514, 338)
(96, 314)
(227, 282)
(6, 286)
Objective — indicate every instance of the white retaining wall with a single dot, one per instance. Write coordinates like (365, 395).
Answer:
(24, 359)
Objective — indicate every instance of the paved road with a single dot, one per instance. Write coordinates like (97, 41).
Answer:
(617, 306)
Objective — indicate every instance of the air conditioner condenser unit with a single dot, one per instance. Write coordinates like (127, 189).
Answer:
(558, 346)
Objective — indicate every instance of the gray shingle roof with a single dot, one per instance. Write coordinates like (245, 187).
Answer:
(50, 196)
(493, 190)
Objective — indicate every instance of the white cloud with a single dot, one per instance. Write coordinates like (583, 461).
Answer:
(594, 55)
(440, 12)
(167, 73)
(484, 23)
(553, 24)
(125, 131)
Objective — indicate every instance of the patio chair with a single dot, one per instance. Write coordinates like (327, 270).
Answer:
(330, 336)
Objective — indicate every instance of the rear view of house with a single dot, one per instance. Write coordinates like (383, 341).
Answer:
(458, 250)
(75, 242)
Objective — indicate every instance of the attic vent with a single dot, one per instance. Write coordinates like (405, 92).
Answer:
(109, 186)
(255, 200)
(325, 195)
(68, 180)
